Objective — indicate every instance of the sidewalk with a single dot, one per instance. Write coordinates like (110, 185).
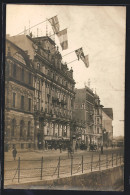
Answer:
(37, 154)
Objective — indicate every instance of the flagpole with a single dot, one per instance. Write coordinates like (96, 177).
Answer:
(32, 27)
(52, 17)
(72, 61)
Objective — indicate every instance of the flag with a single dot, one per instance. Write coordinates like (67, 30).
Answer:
(85, 60)
(62, 35)
(79, 53)
(55, 24)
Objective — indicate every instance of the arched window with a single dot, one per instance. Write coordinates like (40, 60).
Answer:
(21, 128)
(13, 127)
(29, 129)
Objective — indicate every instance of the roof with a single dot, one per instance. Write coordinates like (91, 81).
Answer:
(109, 112)
(44, 38)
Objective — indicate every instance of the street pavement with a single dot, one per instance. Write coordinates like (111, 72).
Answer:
(33, 169)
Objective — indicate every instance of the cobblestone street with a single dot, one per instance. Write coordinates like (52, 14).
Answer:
(32, 168)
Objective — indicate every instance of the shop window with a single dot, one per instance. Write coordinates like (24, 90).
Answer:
(29, 145)
(13, 146)
(22, 146)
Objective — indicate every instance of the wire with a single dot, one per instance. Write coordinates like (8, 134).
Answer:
(32, 27)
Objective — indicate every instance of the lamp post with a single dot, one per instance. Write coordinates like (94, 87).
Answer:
(103, 136)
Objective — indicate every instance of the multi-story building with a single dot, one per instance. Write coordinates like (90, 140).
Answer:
(53, 86)
(107, 118)
(98, 131)
(88, 110)
(19, 98)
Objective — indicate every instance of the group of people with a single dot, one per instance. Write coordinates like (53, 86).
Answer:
(69, 147)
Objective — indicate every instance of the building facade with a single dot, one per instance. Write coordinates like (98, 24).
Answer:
(107, 118)
(88, 110)
(19, 98)
(53, 91)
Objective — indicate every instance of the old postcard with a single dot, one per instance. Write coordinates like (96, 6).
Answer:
(64, 97)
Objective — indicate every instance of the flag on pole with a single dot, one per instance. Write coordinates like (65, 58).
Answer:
(85, 59)
(62, 35)
(79, 53)
(55, 24)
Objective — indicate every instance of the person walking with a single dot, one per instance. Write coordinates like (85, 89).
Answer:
(101, 149)
(14, 152)
(76, 146)
(60, 146)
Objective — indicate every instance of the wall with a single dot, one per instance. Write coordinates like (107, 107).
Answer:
(106, 180)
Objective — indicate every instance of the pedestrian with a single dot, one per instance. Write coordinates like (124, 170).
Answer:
(76, 146)
(14, 152)
(101, 149)
(60, 146)
(68, 151)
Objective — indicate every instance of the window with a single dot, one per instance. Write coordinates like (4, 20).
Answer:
(22, 75)
(29, 128)
(22, 102)
(22, 146)
(48, 73)
(97, 120)
(14, 70)
(29, 104)
(13, 127)
(20, 58)
(38, 85)
(29, 145)
(97, 130)
(21, 128)
(29, 78)
(38, 104)
(38, 66)
(14, 94)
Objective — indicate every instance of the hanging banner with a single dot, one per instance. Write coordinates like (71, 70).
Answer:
(79, 53)
(55, 24)
(62, 35)
(85, 60)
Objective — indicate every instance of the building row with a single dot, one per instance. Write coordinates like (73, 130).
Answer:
(42, 106)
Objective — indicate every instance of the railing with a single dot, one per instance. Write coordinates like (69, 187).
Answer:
(24, 170)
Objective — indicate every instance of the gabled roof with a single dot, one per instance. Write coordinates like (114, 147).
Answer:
(109, 112)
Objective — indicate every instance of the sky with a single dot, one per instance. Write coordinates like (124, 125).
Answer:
(100, 31)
